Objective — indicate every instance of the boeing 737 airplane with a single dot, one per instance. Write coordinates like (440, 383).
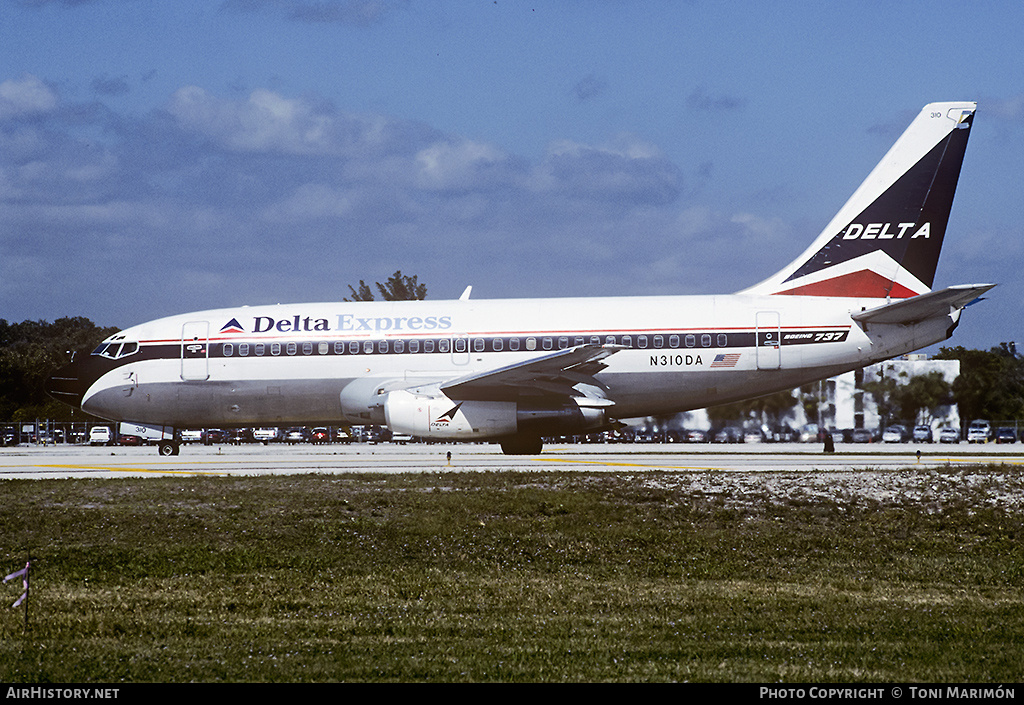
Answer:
(517, 370)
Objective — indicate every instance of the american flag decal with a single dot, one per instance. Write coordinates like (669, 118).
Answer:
(725, 360)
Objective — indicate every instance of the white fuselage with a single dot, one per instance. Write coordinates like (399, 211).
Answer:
(307, 363)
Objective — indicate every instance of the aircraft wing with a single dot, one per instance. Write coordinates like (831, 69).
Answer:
(554, 374)
(934, 303)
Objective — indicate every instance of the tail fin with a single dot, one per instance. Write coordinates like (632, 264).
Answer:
(885, 242)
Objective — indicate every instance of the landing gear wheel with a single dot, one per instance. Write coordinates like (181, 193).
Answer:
(522, 445)
(167, 448)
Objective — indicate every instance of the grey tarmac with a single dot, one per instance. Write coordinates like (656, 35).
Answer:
(56, 462)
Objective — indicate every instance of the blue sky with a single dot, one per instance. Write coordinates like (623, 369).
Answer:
(157, 158)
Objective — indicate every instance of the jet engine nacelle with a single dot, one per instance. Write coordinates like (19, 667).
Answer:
(437, 416)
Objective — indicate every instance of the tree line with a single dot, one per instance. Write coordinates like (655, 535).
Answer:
(30, 352)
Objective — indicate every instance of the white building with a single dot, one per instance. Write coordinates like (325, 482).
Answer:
(843, 403)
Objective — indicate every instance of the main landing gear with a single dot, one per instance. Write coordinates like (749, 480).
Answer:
(168, 448)
(522, 445)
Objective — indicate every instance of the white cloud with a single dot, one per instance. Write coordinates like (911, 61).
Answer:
(448, 165)
(25, 96)
(311, 201)
(626, 171)
(265, 122)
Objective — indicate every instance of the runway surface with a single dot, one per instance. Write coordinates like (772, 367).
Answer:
(56, 462)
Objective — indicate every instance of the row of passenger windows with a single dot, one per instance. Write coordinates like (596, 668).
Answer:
(464, 344)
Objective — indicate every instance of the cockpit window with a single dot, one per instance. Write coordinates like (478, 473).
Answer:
(116, 350)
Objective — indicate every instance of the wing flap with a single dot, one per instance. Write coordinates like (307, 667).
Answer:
(934, 303)
(555, 374)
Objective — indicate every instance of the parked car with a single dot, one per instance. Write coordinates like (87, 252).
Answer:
(296, 435)
(100, 435)
(1006, 434)
(729, 434)
(238, 436)
(695, 435)
(129, 440)
(895, 434)
(862, 435)
(192, 435)
(215, 435)
(779, 434)
(949, 435)
(809, 433)
(265, 435)
(923, 434)
(320, 435)
(980, 431)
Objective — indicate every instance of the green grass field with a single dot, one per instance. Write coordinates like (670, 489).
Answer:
(511, 577)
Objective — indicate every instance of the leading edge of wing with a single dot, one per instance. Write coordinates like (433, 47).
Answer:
(919, 308)
(553, 374)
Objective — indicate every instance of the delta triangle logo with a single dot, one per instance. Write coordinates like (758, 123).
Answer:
(232, 326)
(446, 417)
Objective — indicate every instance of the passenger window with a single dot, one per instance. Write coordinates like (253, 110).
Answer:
(497, 344)
(627, 341)
(595, 340)
(399, 346)
(275, 348)
(691, 340)
(641, 341)
(382, 346)
(428, 346)
(243, 349)
(546, 342)
(659, 342)
(460, 345)
(260, 349)
(227, 349)
(339, 348)
(414, 346)
(513, 344)
(673, 341)
(307, 348)
(443, 345)
(531, 343)
(368, 347)
(353, 347)
(291, 348)
(705, 340)
(478, 345)
(723, 340)
(563, 342)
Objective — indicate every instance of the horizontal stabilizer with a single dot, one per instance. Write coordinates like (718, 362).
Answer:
(919, 308)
